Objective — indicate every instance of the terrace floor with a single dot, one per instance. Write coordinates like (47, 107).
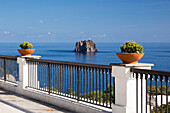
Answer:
(14, 103)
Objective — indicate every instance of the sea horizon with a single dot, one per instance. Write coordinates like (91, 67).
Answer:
(156, 53)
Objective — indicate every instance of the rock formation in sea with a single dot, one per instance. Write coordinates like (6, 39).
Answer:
(85, 46)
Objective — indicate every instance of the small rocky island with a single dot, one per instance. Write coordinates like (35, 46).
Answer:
(85, 46)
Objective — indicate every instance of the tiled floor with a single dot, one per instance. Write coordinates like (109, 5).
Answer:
(15, 103)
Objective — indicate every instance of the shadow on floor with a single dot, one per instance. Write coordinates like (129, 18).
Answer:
(4, 92)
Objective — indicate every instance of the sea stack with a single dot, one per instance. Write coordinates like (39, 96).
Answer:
(85, 46)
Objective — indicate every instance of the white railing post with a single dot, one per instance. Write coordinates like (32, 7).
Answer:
(125, 88)
(23, 72)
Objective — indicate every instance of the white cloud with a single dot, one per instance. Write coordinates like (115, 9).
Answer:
(49, 33)
(6, 32)
(41, 21)
(99, 36)
(53, 35)
(81, 32)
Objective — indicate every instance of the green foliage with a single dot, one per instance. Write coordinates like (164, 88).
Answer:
(108, 88)
(26, 45)
(131, 47)
(154, 90)
(158, 90)
(69, 90)
(53, 89)
(100, 96)
(159, 108)
(163, 89)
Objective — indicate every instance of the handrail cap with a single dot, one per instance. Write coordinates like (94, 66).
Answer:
(133, 65)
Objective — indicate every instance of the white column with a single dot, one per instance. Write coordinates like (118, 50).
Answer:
(125, 88)
(23, 71)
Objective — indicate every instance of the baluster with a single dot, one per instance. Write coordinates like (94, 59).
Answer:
(49, 78)
(70, 79)
(81, 76)
(96, 85)
(65, 68)
(146, 78)
(106, 88)
(90, 82)
(87, 83)
(4, 69)
(103, 85)
(156, 79)
(99, 86)
(161, 79)
(141, 77)
(167, 80)
(84, 82)
(151, 79)
(78, 83)
(136, 92)
(110, 92)
(93, 83)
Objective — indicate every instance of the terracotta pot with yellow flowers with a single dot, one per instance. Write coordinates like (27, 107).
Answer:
(131, 52)
(26, 49)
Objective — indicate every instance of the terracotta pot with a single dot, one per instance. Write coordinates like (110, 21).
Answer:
(130, 58)
(26, 52)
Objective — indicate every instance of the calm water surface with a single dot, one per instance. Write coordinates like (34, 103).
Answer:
(156, 53)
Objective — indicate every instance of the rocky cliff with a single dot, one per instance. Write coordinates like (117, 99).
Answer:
(85, 46)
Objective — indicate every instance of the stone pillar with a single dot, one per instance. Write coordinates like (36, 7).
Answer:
(125, 88)
(23, 71)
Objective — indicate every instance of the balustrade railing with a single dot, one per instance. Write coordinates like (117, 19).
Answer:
(90, 83)
(84, 82)
(9, 69)
(157, 90)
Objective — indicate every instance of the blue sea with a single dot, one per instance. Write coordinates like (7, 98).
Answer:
(156, 53)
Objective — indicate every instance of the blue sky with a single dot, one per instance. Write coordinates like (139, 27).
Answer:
(72, 20)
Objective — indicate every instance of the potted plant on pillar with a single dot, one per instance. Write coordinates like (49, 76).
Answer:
(26, 49)
(131, 52)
